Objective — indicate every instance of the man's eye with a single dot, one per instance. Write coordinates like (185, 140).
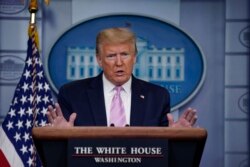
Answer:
(124, 55)
(111, 56)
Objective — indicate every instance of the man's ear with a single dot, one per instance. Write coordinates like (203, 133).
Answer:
(99, 60)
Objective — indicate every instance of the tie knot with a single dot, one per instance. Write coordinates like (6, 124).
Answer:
(118, 89)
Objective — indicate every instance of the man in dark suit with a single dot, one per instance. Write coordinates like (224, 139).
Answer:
(89, 102)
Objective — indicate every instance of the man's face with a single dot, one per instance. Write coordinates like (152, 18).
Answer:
(117, 61)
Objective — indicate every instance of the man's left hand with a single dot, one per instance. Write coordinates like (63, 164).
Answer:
(187, 119)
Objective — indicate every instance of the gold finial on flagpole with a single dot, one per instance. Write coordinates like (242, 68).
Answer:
(33, 8)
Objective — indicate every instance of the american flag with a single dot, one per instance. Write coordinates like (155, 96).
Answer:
(28, 109)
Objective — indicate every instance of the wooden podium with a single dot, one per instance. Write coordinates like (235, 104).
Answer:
(113, 146)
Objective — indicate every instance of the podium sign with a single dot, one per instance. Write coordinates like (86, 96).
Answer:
(120, 147)
(118, 152)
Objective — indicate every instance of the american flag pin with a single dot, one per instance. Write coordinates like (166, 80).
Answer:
(142, 96)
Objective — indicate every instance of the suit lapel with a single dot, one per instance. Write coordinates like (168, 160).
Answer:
(137, 103)
(96, 99)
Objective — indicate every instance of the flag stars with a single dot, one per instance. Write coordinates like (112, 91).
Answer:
(40, 74)
(46, 99)
(40, 62)
(37, 61)
(38, 99)
(31, 149)
(46, 87)
(23, 99)
(17, 137)
(31, 98)
(28, 124)
(30, 161)
(19, 124)
(40, 86)
(32, 86)
(15, 101)
(43, 123)
(25, 87)
(21, 112)
(27, 74)
(29, 62)
(9, 125)
(12, 113)
(37, 111)
(24, 149)
(26, 136)
(44, 111)
(29, 111)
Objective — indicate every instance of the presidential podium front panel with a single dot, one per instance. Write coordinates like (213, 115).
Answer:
(120, 147)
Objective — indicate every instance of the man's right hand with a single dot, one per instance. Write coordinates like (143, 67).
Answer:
(56, 118)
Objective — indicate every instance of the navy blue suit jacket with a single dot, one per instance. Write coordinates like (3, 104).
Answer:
(149, 104)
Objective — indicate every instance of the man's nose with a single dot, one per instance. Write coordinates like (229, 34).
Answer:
(118, 60)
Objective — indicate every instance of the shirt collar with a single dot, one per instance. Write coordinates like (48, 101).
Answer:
(108, 86)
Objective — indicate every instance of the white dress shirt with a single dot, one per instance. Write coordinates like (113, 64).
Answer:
(109, 92)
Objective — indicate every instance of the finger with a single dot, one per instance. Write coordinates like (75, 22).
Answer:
(47, 125)
(185, 113)
(170, 120)
(50, 108)
(50, 119)
(72, 119)
(53, 113)
(193, 120)
(190, 115)
(58, 110)
(49, 116)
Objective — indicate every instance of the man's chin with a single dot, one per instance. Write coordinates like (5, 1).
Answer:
(121, 80)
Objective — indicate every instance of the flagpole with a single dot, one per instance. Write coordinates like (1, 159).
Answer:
(33, 35)
(33, 8)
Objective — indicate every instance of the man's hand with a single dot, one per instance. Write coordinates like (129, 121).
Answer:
(187, 119)
(56, 118)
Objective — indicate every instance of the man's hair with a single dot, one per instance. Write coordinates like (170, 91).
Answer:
(115, 36)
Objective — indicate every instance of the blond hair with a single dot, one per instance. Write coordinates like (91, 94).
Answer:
(115, 36)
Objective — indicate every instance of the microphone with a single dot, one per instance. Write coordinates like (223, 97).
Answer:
(113, 125)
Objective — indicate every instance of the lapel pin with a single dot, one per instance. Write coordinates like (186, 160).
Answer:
(142, 96)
